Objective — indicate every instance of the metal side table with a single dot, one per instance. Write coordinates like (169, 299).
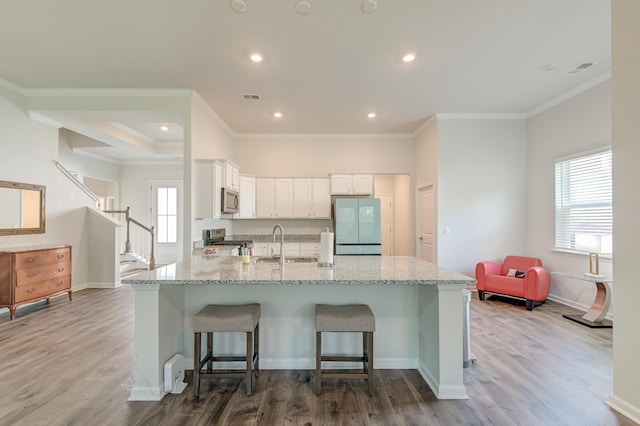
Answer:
(595, 316)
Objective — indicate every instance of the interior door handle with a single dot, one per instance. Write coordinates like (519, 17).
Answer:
(420, 238)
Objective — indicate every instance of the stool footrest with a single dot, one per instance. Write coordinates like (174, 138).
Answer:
(343, 358)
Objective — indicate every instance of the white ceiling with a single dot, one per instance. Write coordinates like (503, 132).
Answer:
(324, 71)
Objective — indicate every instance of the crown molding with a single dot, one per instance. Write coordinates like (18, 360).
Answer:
(323, 136)
(570, 94)
(180, 93)
(195, 96)
(11, 87)
(431, 119)
(481, 116)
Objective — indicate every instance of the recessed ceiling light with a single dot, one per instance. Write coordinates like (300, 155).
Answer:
(239, 6)
(277, 114)
(368, 6)
(371, 115)
(164, 128)
(409, 57)
(256, 57)
(303, 7)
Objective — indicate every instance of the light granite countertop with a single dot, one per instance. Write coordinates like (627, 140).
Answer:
(203, 269)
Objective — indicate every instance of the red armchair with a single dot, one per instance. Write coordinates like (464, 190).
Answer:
(518, 277)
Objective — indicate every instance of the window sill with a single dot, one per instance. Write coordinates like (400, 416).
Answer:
(603, 256)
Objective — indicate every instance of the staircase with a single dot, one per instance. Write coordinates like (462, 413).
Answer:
(131, 265)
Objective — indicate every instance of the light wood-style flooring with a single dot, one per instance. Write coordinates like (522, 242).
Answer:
(71, 363)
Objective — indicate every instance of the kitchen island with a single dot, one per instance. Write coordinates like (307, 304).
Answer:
(418, 308)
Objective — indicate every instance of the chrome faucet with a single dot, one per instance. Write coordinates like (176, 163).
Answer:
(281, 241)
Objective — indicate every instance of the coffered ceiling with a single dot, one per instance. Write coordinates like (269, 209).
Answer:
(324, 70)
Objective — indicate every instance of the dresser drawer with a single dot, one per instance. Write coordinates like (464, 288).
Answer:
(59, 284)
(44, 257)
(32, 291)
(41, 273)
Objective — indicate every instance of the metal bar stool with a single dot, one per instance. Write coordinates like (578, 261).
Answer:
(219, 319)
(347, 318)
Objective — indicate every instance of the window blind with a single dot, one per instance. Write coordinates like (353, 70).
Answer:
(584, 200)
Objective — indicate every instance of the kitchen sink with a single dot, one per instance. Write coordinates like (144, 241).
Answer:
(291, 259)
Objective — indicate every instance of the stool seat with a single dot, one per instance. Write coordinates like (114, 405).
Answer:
(220, 319)
(227, 318)
(345, 318)
(357, 318)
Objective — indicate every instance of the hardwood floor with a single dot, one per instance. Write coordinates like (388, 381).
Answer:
(70, 363)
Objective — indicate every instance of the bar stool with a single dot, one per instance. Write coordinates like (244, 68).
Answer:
(219, 319)
(347, 318)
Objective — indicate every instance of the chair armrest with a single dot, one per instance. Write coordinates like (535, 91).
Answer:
(486, 268)
(536, 283)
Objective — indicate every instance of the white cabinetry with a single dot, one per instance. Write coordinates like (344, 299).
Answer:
(247, 197)
(312, 198)
(283, 198)
(310, 249)
(351, 184)
(274, 198)
(231, 176)
(207, 188)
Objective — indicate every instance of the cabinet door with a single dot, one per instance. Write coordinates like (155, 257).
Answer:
(217, 189)
(247, 197)
(264, 197)
(231, 176)
(302, 198)
(341, 184)
(283, 197)
(362, 184)
(310, 249)
(321, 202)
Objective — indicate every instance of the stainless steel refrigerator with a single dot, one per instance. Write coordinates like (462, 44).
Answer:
(357, 226)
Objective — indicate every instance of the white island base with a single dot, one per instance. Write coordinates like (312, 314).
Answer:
(418, 309)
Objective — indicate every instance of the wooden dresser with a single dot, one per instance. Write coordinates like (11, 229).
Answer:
(29, 274)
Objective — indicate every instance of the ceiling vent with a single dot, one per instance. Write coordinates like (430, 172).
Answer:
(250, 97)
(580, 68)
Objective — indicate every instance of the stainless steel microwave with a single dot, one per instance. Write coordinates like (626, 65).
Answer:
(230, 201)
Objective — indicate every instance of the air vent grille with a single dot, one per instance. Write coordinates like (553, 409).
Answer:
(580, 68)
(250, 97)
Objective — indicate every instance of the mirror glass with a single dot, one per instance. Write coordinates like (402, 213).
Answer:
(21, 208)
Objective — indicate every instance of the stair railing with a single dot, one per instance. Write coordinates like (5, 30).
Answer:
(140, 243)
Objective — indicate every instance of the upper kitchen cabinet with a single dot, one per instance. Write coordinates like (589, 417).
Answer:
(274, 198)
(247, 197)
(207, 178)
(312, 198)
(231, 176)
(351, 184)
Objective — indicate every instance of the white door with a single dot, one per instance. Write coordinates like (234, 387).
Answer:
(166, 218)
(428, 221)
(386, 217)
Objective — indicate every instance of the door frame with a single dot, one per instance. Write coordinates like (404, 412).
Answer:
(419, 193)
(179, 184)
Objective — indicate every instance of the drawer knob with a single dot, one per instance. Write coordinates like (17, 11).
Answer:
(59, 283)
(32, 274)
(61, 256)
(31, 290)
(32, 260)
(60, 269)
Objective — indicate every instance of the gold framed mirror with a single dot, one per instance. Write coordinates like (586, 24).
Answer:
(22, 208)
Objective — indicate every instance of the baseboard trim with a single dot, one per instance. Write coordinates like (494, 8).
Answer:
(442, 392)
(624, 408)
(103, 285)
(572, 304)
(145, 393)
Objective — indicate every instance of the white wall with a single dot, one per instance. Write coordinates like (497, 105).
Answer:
(626, 230)
(482, 169)
(576, 125)
(27, 151)
(319, 155)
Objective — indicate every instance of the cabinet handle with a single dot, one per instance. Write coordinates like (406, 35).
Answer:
(32, 274)
(61, 256)
(32, 260)
(59, 283)
(60, 269)
(31, 290)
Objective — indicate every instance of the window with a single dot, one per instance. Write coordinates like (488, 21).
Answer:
(167, 215)
(584, 213)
